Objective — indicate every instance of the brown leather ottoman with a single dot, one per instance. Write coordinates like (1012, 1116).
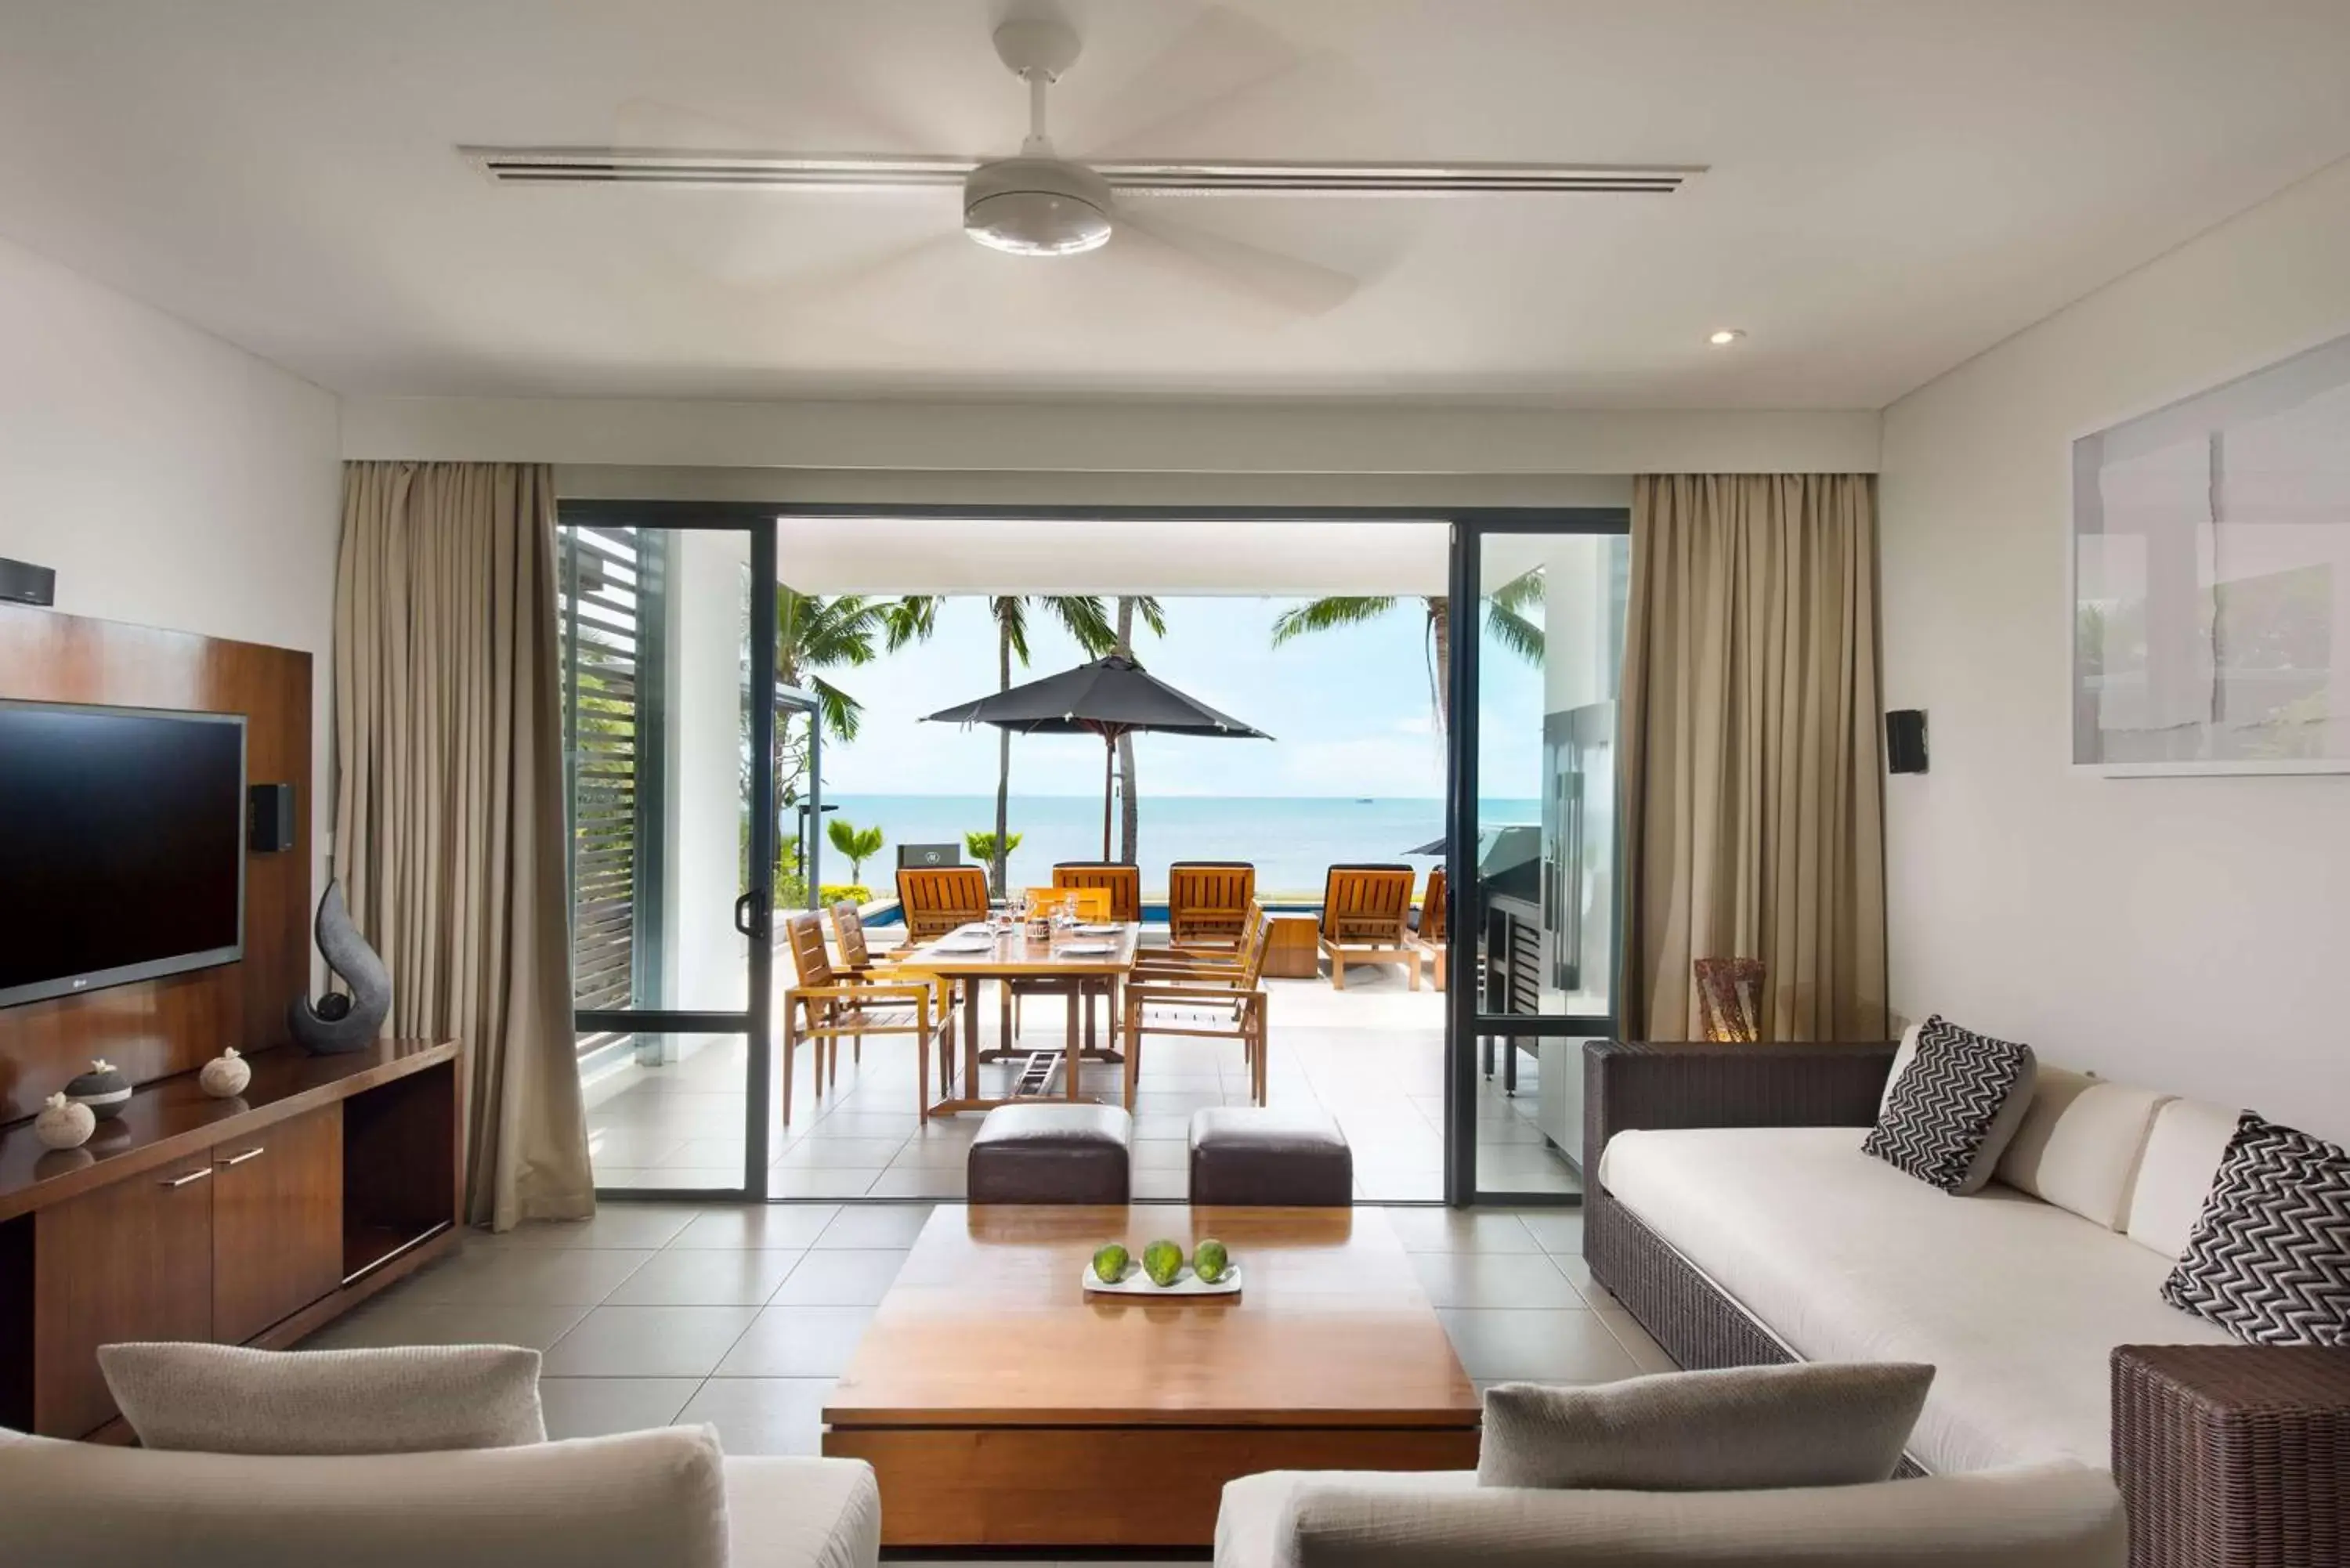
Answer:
(1263, 1157)
(1051, 1154)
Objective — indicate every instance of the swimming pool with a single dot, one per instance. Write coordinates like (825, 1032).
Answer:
(886, 912)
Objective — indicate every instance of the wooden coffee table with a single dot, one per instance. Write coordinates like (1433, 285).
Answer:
(1001, 1405)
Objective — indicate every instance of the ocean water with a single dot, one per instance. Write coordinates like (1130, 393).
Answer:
(1291, 839)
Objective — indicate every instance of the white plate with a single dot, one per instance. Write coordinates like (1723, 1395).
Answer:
(1135, 1282)
(962, 945)
(1082, 949)
(1099, 931)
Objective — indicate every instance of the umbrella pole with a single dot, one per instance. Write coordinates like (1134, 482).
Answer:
(1110, 779)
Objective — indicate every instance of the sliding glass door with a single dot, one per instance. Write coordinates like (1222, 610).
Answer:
(669, 725)
(1537, 640)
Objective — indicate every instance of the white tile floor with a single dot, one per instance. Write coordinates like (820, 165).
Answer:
(1372, 1055)
(743, 1318)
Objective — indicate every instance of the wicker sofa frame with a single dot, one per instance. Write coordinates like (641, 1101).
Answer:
(2229, 1456)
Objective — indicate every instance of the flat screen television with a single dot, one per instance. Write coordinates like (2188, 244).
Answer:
(122, 846)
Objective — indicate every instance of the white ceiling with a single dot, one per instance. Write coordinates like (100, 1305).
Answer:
(1894, 185)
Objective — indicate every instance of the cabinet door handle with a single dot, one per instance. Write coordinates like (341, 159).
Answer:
(252, 1153)
(197, 1175)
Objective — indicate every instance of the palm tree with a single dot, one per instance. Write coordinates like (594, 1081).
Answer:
(1085, 619)
(1130, 810)
(1506, 617)
(981, 845)
(814, 634)
(858, 844)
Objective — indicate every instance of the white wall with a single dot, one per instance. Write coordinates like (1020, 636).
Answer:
(1007, 488)
(1119, 438)
(2188, 933)
(171, 479)
(706, 957)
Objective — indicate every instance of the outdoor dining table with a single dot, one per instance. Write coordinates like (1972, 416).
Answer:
(971, 954)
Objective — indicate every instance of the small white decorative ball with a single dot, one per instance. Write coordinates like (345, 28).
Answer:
(226, 1075)
(62, 1124)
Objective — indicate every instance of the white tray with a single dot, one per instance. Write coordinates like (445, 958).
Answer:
(1135, 1282)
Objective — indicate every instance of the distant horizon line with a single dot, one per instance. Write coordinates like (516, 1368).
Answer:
(1158, 794)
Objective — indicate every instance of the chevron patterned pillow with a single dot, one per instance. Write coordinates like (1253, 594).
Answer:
(2270, 1257)
(1954, 1108)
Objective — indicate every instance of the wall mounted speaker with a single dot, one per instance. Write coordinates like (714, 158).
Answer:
(23, 583)
(269, 822)
(1905, 741)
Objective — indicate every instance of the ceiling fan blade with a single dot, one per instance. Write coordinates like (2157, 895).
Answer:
(835, 120)
(1291, 283)
(756, 242)
(1221, 56)
(848, 281)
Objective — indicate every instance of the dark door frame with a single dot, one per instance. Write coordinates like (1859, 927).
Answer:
(1468, 527)
(1466, 1023)
(754, 910)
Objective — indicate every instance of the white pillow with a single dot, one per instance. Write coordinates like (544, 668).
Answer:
(1902, 1055)
(225, 1399)
(627, 1501)
(2182, 1155)
(2080, 1143)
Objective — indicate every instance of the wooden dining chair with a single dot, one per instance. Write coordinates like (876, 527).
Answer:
(858, 957)
(1211, 963)
(939, 898)
(1083, 903)
(1363, 910)
(1431, 932)
(1208, 901)
(1205, 1005)
(828, 1003)
(1123, 884)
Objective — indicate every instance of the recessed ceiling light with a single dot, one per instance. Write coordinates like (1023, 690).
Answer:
(1725, 337)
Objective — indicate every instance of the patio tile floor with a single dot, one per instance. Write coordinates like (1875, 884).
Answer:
(1371, 1055)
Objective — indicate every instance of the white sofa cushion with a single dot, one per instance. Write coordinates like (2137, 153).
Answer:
(402, 1399)
(1252, 1520)
(1903, 1055)
(2182, 1155)
(801, 1513)
(627, 1501)
(2058, 1516)
(2080, 1143)
(2017, 1304)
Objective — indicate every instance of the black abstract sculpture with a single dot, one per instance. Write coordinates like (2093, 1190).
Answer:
(338, 1023)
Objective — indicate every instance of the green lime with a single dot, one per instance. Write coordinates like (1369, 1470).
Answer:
(1162, 1260)
(1109, 1264)
(1211, 1261)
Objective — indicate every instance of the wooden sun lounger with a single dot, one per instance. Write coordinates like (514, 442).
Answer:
(1365, 911)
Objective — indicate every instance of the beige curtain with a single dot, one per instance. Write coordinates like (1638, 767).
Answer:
(449, 815)
(1752, 780)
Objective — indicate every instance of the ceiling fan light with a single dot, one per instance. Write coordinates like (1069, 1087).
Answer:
(1037, 223)
(1036, 207)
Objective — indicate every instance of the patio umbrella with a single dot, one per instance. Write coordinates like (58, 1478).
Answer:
(1109, 698)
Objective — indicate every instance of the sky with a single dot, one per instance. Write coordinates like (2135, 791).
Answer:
(1349, 711)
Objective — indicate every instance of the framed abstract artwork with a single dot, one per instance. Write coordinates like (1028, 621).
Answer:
(2211, 567)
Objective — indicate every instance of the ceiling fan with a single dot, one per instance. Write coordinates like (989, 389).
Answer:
(1039, 203)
